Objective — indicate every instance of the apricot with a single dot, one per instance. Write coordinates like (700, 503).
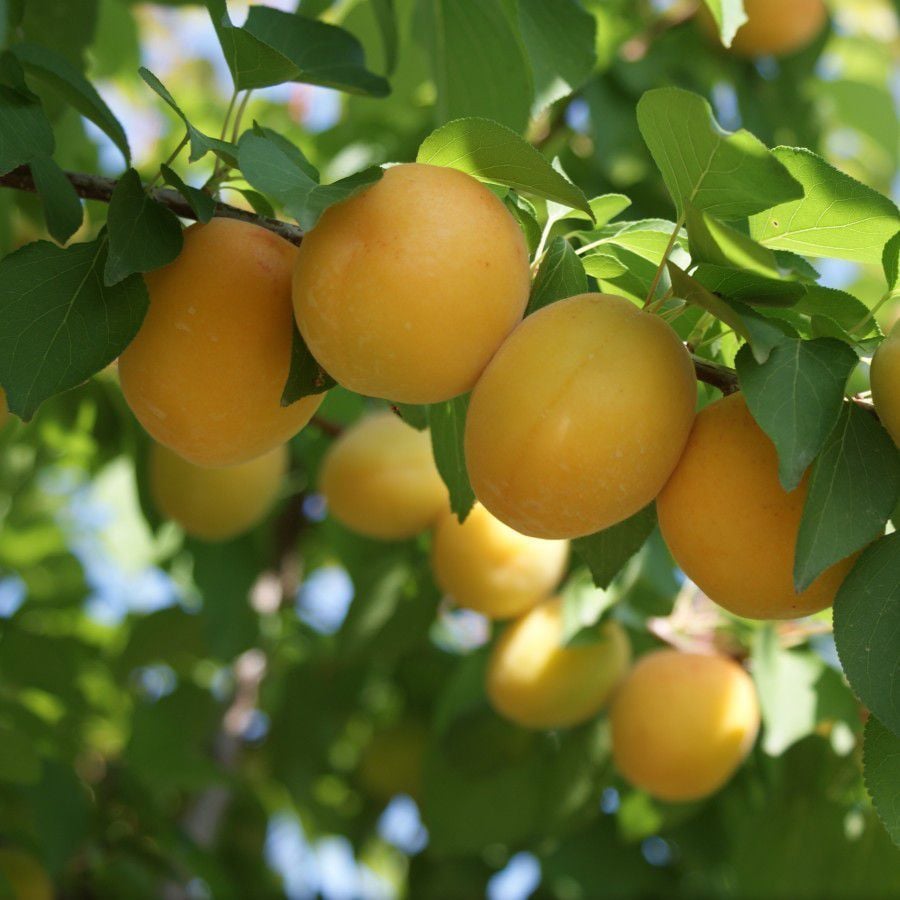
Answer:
(580, 417)
(206, 371)
(379, 478)
(732, 527)
(487, 566)
(885, 378)
(393, 761)
(215, 504)
(24, 875)
(405, 290)
(682, 723)
(775, 27)
(537, 682)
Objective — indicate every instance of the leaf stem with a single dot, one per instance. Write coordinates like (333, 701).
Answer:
(168, 162)
(872, 312)
(239, 116)
(662, 263)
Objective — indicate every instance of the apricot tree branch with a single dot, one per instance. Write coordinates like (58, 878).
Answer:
(97, 187)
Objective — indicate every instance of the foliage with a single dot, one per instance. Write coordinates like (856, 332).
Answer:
(165, 704)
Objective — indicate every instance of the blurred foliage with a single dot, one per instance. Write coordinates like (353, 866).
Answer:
(164, 703)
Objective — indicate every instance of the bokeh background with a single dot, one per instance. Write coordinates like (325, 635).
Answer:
(180, 717)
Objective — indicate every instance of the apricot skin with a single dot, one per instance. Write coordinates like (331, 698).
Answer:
(215, 504)
(682, 723)
(405, 290)
(731, 526)
(25, 875)
(775, 27)
(580, 417)
(206, 371)
(885, 378)
(536, 682)
(487, 566)
(380, 480)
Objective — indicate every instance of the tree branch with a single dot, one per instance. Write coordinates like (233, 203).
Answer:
(96, 187)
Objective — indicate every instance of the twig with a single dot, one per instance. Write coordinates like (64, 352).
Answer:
(97, 187)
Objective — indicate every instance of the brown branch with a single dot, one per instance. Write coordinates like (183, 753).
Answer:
(96, 187)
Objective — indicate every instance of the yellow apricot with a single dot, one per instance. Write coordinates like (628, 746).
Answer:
(218, 503)
(732, 527)
(206, 371)
(580, 417)
(379, 478)
(405, 290)
(535, 681)
(393, 760)
(24, 875)
(682, 723)
(774, 27)
(885, 378)
(487, 566)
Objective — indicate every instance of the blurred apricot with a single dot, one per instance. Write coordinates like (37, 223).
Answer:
(885, 378)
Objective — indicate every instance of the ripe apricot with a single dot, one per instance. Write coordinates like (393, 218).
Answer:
(24, 875)
(487, 566)
(682, 723)
(885, 378)
(392, 762)
(580, 417)
(535, 681)
(206, 371)
(731, 526)
(215, 504)
(379, 478)
(775, 27)
(405, 290)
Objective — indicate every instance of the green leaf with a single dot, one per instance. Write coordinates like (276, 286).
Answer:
(25, 132)
(278, 172)
(59, 322)
(583, 605)
(881, 766)
(607, 551)
(494, 153)
(203, 205)
(729, 16)
(748, 287)
(201, 144)
(712, 241)
(143, 234)
(607, 206)
(19, 762)
(260, 204)
(890, 261)
(762, 334)
(603, 266)
(305, 375)
(854, 487)
(413, 414)
(560, 275)
(62, 208)
(786, 685)
(321, 53)
(560, 37)
(252, 62)
(867, 629)
(796, 397)
(448, 424)
(58, 73)
(386, 19)
(839, 306)
(837, 216)
(495, 80)
(729, 175)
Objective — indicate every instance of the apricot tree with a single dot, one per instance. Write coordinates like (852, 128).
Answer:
(446, 437)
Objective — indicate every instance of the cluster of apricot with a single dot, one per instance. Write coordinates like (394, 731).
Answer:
(414, 291)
